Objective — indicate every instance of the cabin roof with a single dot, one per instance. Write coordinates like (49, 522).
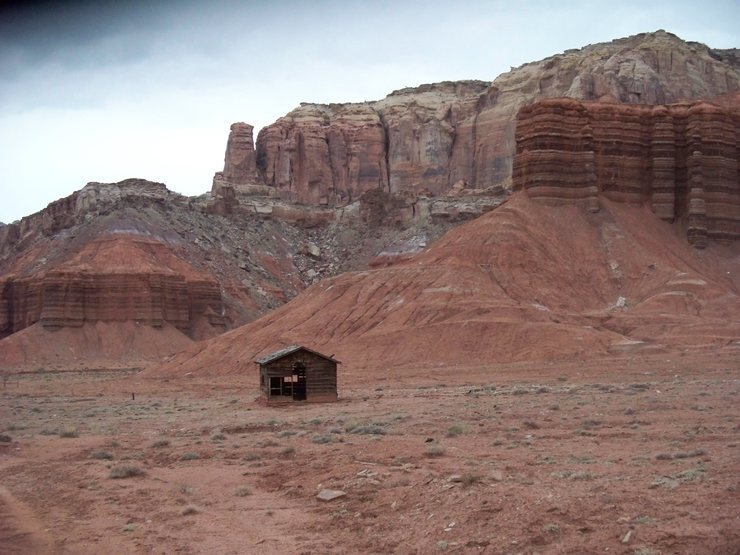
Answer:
(290, 350)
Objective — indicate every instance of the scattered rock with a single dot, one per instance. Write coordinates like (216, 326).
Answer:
(312, 250)
(330, 494)
(496, 475)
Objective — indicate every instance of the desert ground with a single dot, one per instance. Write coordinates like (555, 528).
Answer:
(637, 455)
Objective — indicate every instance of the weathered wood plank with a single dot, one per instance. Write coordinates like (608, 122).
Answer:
(320, 376)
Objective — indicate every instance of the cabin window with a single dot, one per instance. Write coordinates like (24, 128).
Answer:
(276, 386)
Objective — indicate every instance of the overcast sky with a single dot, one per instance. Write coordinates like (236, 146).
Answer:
(105, 90)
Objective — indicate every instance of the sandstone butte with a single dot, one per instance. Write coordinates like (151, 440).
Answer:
(651, 165)
(426, 140)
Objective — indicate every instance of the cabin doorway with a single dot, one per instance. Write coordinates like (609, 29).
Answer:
(299, 381)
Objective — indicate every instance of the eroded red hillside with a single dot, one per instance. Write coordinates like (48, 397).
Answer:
(524, 282)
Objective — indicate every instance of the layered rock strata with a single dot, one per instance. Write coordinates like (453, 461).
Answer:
(681, 159)
(93, 287)
(136, 252)
(424, 140)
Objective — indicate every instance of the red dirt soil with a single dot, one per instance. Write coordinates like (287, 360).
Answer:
(92, 345)
(523, 282)
(627, 455)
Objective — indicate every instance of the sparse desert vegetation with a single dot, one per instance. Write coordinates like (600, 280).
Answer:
(125, 471)
(576, 463)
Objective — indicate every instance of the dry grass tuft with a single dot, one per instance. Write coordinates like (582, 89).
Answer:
(434, 451)
(125, 471)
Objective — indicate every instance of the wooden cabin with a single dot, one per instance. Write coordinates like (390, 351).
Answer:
(298, 374)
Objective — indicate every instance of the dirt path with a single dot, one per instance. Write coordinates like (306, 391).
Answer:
(20, 530)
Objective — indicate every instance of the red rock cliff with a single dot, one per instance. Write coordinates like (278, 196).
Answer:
(681, 159)
(240, 159)
(428, 138)
(116, 278)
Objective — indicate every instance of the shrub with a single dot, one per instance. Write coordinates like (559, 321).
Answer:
(160, 443)
(69, 432)
(189, 456)
(694, 453)
(350, 426)
(435, 451)
(243, 491)
(455, 430)
(322, 439)
(370, 429)
(470, 478)
(190, 510)
(125, 471)
(101, 455)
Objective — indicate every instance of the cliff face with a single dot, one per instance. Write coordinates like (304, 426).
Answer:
(240, 159)
(427, 139)
(111, 280)
(404, 143)
(683, 160)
